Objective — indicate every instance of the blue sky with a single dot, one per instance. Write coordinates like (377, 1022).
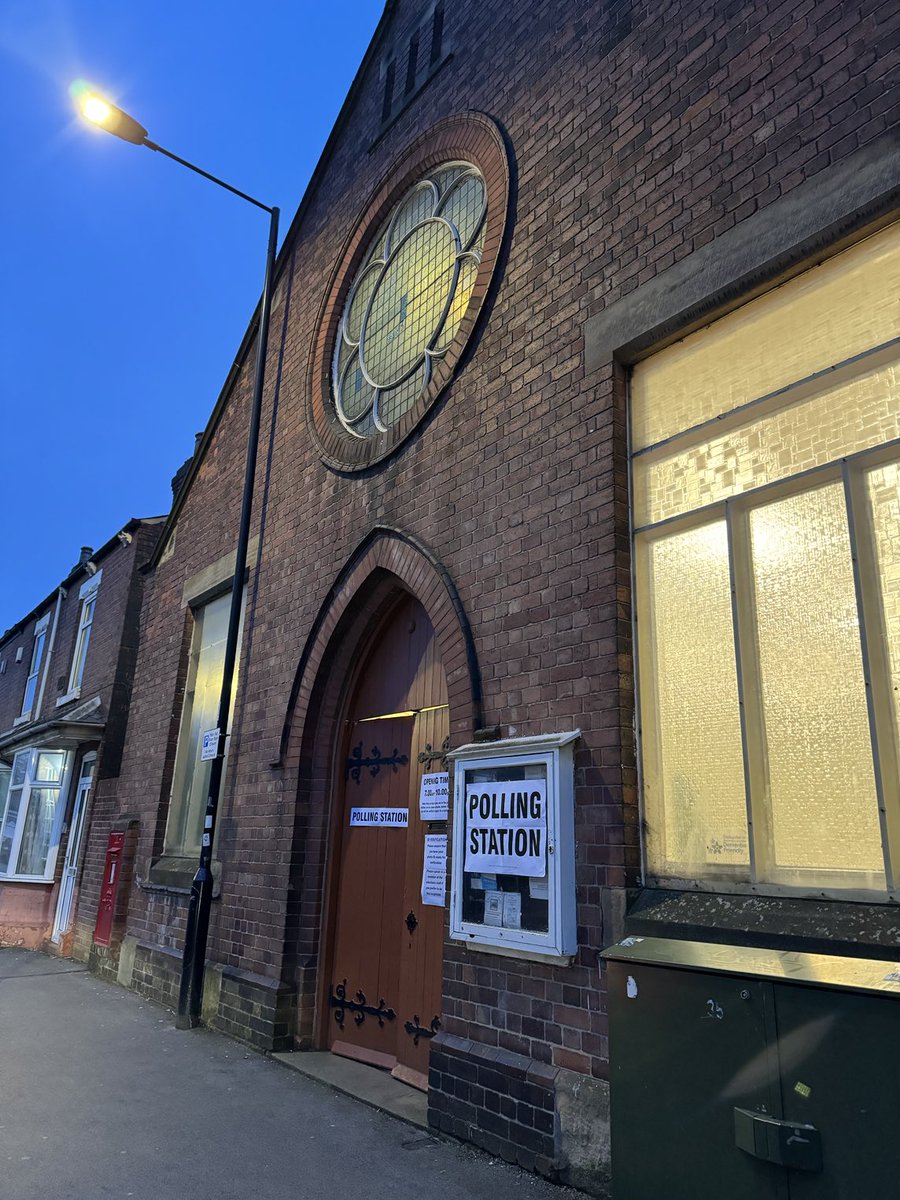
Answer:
(128, 281)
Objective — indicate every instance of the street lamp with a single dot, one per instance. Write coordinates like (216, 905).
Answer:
(106, 115)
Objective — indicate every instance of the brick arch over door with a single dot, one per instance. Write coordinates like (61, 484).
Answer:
(385, 566)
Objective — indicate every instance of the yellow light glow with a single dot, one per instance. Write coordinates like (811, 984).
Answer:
(95, 109)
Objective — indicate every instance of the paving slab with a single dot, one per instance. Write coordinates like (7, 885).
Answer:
(376, 1088)
(103, 1097)
(17, 964)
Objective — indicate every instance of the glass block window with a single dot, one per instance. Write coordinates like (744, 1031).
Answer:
(766, 508)
(31, 814)
(408, 299)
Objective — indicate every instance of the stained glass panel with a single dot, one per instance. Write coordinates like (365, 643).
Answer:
(409, 297)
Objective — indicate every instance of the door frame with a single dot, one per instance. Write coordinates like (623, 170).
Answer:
(77, 829)
(335, 794)
(385, 565)
(333, 840)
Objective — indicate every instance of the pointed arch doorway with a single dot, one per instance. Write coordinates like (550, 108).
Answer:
(383, 998)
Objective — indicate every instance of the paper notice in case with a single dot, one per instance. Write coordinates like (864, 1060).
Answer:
(434, 796)
(503, 909)
(493, 908)
(538, 888)
(506, 828)
(512, 910)
(434, 869)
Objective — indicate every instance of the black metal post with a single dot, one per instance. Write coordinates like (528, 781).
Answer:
(190, 994)
(206, 175)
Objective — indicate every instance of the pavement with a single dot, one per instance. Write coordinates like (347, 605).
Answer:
(100, 1096)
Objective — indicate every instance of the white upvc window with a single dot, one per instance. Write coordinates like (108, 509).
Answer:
(88, 596)
(37, 656)
(513, 868)
(31, 814)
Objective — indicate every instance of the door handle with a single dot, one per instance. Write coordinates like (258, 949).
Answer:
(788, 1143)
(411, 921)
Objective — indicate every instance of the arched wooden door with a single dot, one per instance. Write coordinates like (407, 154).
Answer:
(384, 994)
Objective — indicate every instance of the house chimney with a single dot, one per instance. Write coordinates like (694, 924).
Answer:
(83, 557)
(179, 477)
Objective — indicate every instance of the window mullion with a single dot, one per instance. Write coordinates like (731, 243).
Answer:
(752, 739)
(63, 790)
(878, 700)
(12, 866)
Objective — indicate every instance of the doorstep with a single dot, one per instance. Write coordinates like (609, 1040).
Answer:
(374, 1087)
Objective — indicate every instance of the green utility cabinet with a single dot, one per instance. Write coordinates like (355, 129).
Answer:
(739, 1073)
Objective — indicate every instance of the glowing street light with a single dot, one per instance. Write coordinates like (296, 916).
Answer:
(95, 109)
(101, 112)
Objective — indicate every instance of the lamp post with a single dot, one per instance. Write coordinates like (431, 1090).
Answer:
(105, 115)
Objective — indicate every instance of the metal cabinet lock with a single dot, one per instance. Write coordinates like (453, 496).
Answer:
(784, 1142)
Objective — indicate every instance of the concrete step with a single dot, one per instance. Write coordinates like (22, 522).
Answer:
(373, 1086)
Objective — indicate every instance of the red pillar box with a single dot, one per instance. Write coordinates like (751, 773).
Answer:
(109, 892)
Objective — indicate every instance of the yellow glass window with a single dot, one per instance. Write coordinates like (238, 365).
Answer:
(200, 713)
(820, 799)
(766, 505)
(408, 299)
(696, 812)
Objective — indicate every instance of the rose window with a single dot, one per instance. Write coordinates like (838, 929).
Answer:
(408, 299)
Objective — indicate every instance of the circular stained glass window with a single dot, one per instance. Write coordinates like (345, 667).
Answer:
(408, 299)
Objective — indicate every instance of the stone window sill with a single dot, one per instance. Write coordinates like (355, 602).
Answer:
(175, 873)
(815, 926)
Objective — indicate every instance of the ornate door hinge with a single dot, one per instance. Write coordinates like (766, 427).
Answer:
(429, 756)
(337, 999)
(375, 761)
(416, 1031)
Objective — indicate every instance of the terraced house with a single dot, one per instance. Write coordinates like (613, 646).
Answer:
(65, 678)
(572, 606)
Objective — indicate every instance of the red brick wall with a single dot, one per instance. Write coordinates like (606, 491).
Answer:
(27, 909)
(104, 647)
(12, 681)
(637, 134)
(26, 913)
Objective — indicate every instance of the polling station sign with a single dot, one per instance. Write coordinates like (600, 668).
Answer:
(385, 818)
(506, 828)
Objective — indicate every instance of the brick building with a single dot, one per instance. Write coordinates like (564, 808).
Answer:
(569, 279)
(66, 671)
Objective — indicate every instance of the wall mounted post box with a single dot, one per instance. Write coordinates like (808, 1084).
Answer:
(109, 890)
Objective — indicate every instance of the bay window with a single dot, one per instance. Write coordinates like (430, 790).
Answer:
(31, 814)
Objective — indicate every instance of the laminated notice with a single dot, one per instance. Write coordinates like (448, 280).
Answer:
(434, 869)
